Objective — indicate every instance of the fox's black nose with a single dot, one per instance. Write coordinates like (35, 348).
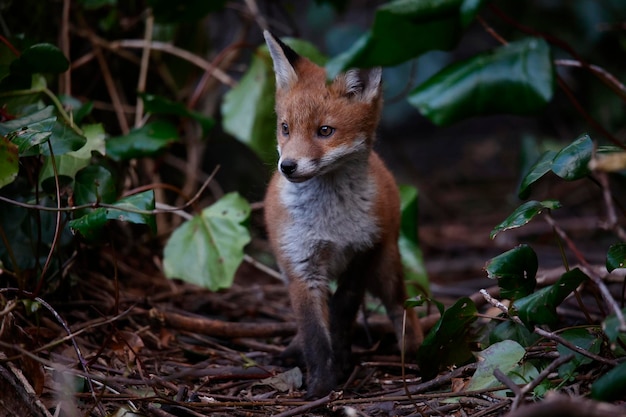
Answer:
(288, 166)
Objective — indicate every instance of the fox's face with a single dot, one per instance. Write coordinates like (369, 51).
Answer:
(321, 125)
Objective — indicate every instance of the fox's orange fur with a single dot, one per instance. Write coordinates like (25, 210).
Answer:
(332, 211)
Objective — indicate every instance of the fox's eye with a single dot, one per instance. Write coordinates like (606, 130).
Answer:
(284, 128)
(325, 131)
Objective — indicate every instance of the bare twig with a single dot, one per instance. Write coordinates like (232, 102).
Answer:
(254, 10)
(558, 405)
(64, 36)
(589, 271)
(497, 304)
(555, 337)
(143, 69)
(311, 405)
(606, 77)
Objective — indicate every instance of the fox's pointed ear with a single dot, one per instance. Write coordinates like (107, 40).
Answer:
(364, 85)
(284, 59)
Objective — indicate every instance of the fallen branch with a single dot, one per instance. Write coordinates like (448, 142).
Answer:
(219, 328)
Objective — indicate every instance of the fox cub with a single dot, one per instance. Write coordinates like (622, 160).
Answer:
(332, 211)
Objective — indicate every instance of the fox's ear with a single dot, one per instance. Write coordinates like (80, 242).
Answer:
(364, 85)
(284, 59)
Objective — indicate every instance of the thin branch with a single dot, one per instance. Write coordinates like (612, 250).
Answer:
(112, 89)
(589, 271)
(181, 53)
(497, 304)
(66, 77)
(556, 338)
(603, 75)
(254, 10)
(143, 69)
(311, 405)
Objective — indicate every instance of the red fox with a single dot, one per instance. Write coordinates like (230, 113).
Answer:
(332, 211)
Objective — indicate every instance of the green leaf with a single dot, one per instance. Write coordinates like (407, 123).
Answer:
(572, 162)
(248, 108)
(616, 338)
(94, 184)
(611, 386)
(517, 78)
(404, 29)
(509, 330)
(515, 271)
(505, 356)
(145, 141)
(540, 307)
(77, 108)
(208, 249)
(583, 339)
(616, 257)
(448, 342)
(31, 131)
(69, 164)
(9, 162)
(90, 224)
(160, 105)
(538, 170)
(184, 11)
(410, 252)
(469, 10)
(523, 214)
(40, 58)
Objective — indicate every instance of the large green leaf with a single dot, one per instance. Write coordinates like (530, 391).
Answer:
(517, 78)
(412, 258)
(505, 356)
(69, 164)
(540, 307)
(523, 214)
(510, 330)
(160, 105)
(40, 58)
(90, 224)
(515, 271)
(94, 184)
(615, 335)
(248, 108)
(30, 132)
(611, 386)
(147, 140)
(616, 257)
(538, 170)
(9, 162)
(448, 342)
(208, 249)
(572, 162)
(404, 29)
(582, 338)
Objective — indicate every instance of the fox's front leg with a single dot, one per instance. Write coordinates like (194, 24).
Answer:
(309, 299)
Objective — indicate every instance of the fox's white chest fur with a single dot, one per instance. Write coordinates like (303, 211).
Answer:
(331, 218)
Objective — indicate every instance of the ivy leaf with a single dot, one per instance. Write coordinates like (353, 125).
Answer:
(145, 141)
(9, 162)
(448, 342)
(540, 307)
(40, 58)
(403, 30)
(572, 162)
(505, 356)
(160, 105)
(90, 224)
(31, 130)
(583, 339)
(70, 163)
(538, 170)
(248, 108)
(509, 330)
(616, 257)
(208, 249)
(515, 271)
(410, 252)
(523, 214)
(517, 78)
(611, 386)
(94, 184)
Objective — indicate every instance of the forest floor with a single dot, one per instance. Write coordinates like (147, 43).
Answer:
(122, 340)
